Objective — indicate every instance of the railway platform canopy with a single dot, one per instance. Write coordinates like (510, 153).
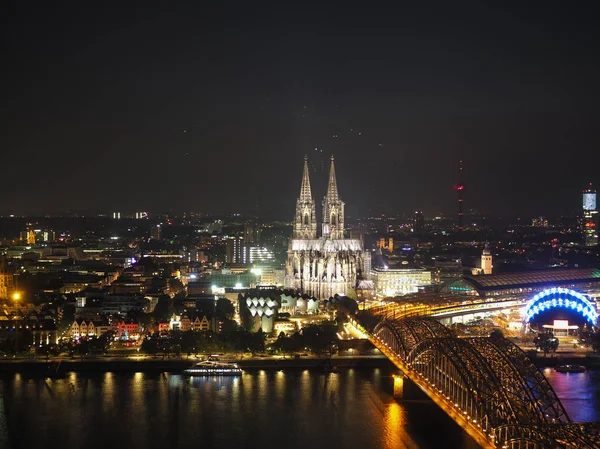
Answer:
(585, 280)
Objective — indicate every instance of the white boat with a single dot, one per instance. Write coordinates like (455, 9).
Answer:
(213, 368)
(570, 369)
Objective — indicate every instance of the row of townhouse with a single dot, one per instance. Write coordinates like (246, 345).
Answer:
(123, 330)
(186, 323)
(83, 328)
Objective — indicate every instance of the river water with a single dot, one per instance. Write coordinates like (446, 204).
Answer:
(260, 409)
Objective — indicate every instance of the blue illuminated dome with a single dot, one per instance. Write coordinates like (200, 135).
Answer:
(561, 298)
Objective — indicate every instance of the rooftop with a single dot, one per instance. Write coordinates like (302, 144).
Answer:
(326, 245)
(533, 278)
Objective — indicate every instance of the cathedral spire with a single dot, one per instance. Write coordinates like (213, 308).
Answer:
(332, 190)
(305, 193)
(333, 209)
(305, 223)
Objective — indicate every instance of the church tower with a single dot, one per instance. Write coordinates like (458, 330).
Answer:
(305, 224)
(7, 279)
(486, 260)
(333, 209)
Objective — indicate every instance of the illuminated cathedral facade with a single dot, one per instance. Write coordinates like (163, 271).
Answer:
(329, 264)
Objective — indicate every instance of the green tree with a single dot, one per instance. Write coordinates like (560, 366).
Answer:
(245, 315)
(164, 309)
(321, 339)
(189, 342)
(225, 309)
(546, 342)
(68, 316)
(496, 335)
(594, 340)
(284, 344)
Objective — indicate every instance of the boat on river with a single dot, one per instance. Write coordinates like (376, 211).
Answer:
(213, 368)
(570, 369)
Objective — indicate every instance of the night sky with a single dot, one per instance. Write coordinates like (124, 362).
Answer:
(211, 108)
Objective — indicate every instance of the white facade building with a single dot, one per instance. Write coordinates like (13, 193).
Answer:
(391, 282)
(329, 265)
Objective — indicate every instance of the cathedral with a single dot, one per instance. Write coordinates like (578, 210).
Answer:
(326, 265)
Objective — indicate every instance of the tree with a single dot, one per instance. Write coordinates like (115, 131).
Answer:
(164, 309)
(496, 335)
(320, 338)
(188, 342)
(68, 316)
(225, 309)
(245, 314)
(175, 286)
(142, 318)
(257, 342)
(594, 339)
(228, 326)
(546, 342)
(284, 344)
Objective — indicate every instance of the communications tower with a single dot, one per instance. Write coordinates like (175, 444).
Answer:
(459, 188)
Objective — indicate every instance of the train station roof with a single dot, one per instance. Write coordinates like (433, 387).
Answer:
(530, 279)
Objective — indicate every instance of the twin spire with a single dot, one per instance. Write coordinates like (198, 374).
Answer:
(305, 226)
(332, 190)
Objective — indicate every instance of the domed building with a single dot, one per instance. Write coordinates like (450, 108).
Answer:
(330, 264)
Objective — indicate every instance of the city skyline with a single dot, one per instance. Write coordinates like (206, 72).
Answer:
(235, 224)
(192, 108)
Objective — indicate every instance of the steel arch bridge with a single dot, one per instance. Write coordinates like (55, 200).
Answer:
(487, 385)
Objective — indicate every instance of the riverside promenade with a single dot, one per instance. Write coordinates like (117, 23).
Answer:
(177, 364)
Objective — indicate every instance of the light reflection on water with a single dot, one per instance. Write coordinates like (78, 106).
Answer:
(578, 392)
(260, 409)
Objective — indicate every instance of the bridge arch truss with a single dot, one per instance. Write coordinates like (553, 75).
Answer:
(490, 382)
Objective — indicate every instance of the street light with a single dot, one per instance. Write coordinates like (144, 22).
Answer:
(16, 296)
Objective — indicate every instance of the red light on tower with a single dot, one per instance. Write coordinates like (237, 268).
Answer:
(459, 188)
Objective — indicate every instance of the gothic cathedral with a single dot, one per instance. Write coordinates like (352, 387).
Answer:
(330, 264)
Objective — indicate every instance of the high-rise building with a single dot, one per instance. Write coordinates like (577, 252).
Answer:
(331, 264)
(258, 254)
(235, 250)
(418, 223)
(590, 217)
(251, 235)
(155, 232)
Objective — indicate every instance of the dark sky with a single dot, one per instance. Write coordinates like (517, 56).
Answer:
(211, 107)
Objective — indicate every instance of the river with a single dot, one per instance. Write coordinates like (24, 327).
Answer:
(260, 409)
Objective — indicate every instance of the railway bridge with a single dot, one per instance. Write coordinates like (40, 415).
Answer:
(487, 385)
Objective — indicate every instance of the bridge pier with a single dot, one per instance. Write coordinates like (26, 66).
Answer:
(405, 389)
(399, 386)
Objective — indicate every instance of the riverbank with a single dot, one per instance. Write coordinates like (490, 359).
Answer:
(553, 360)
(149, 364)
